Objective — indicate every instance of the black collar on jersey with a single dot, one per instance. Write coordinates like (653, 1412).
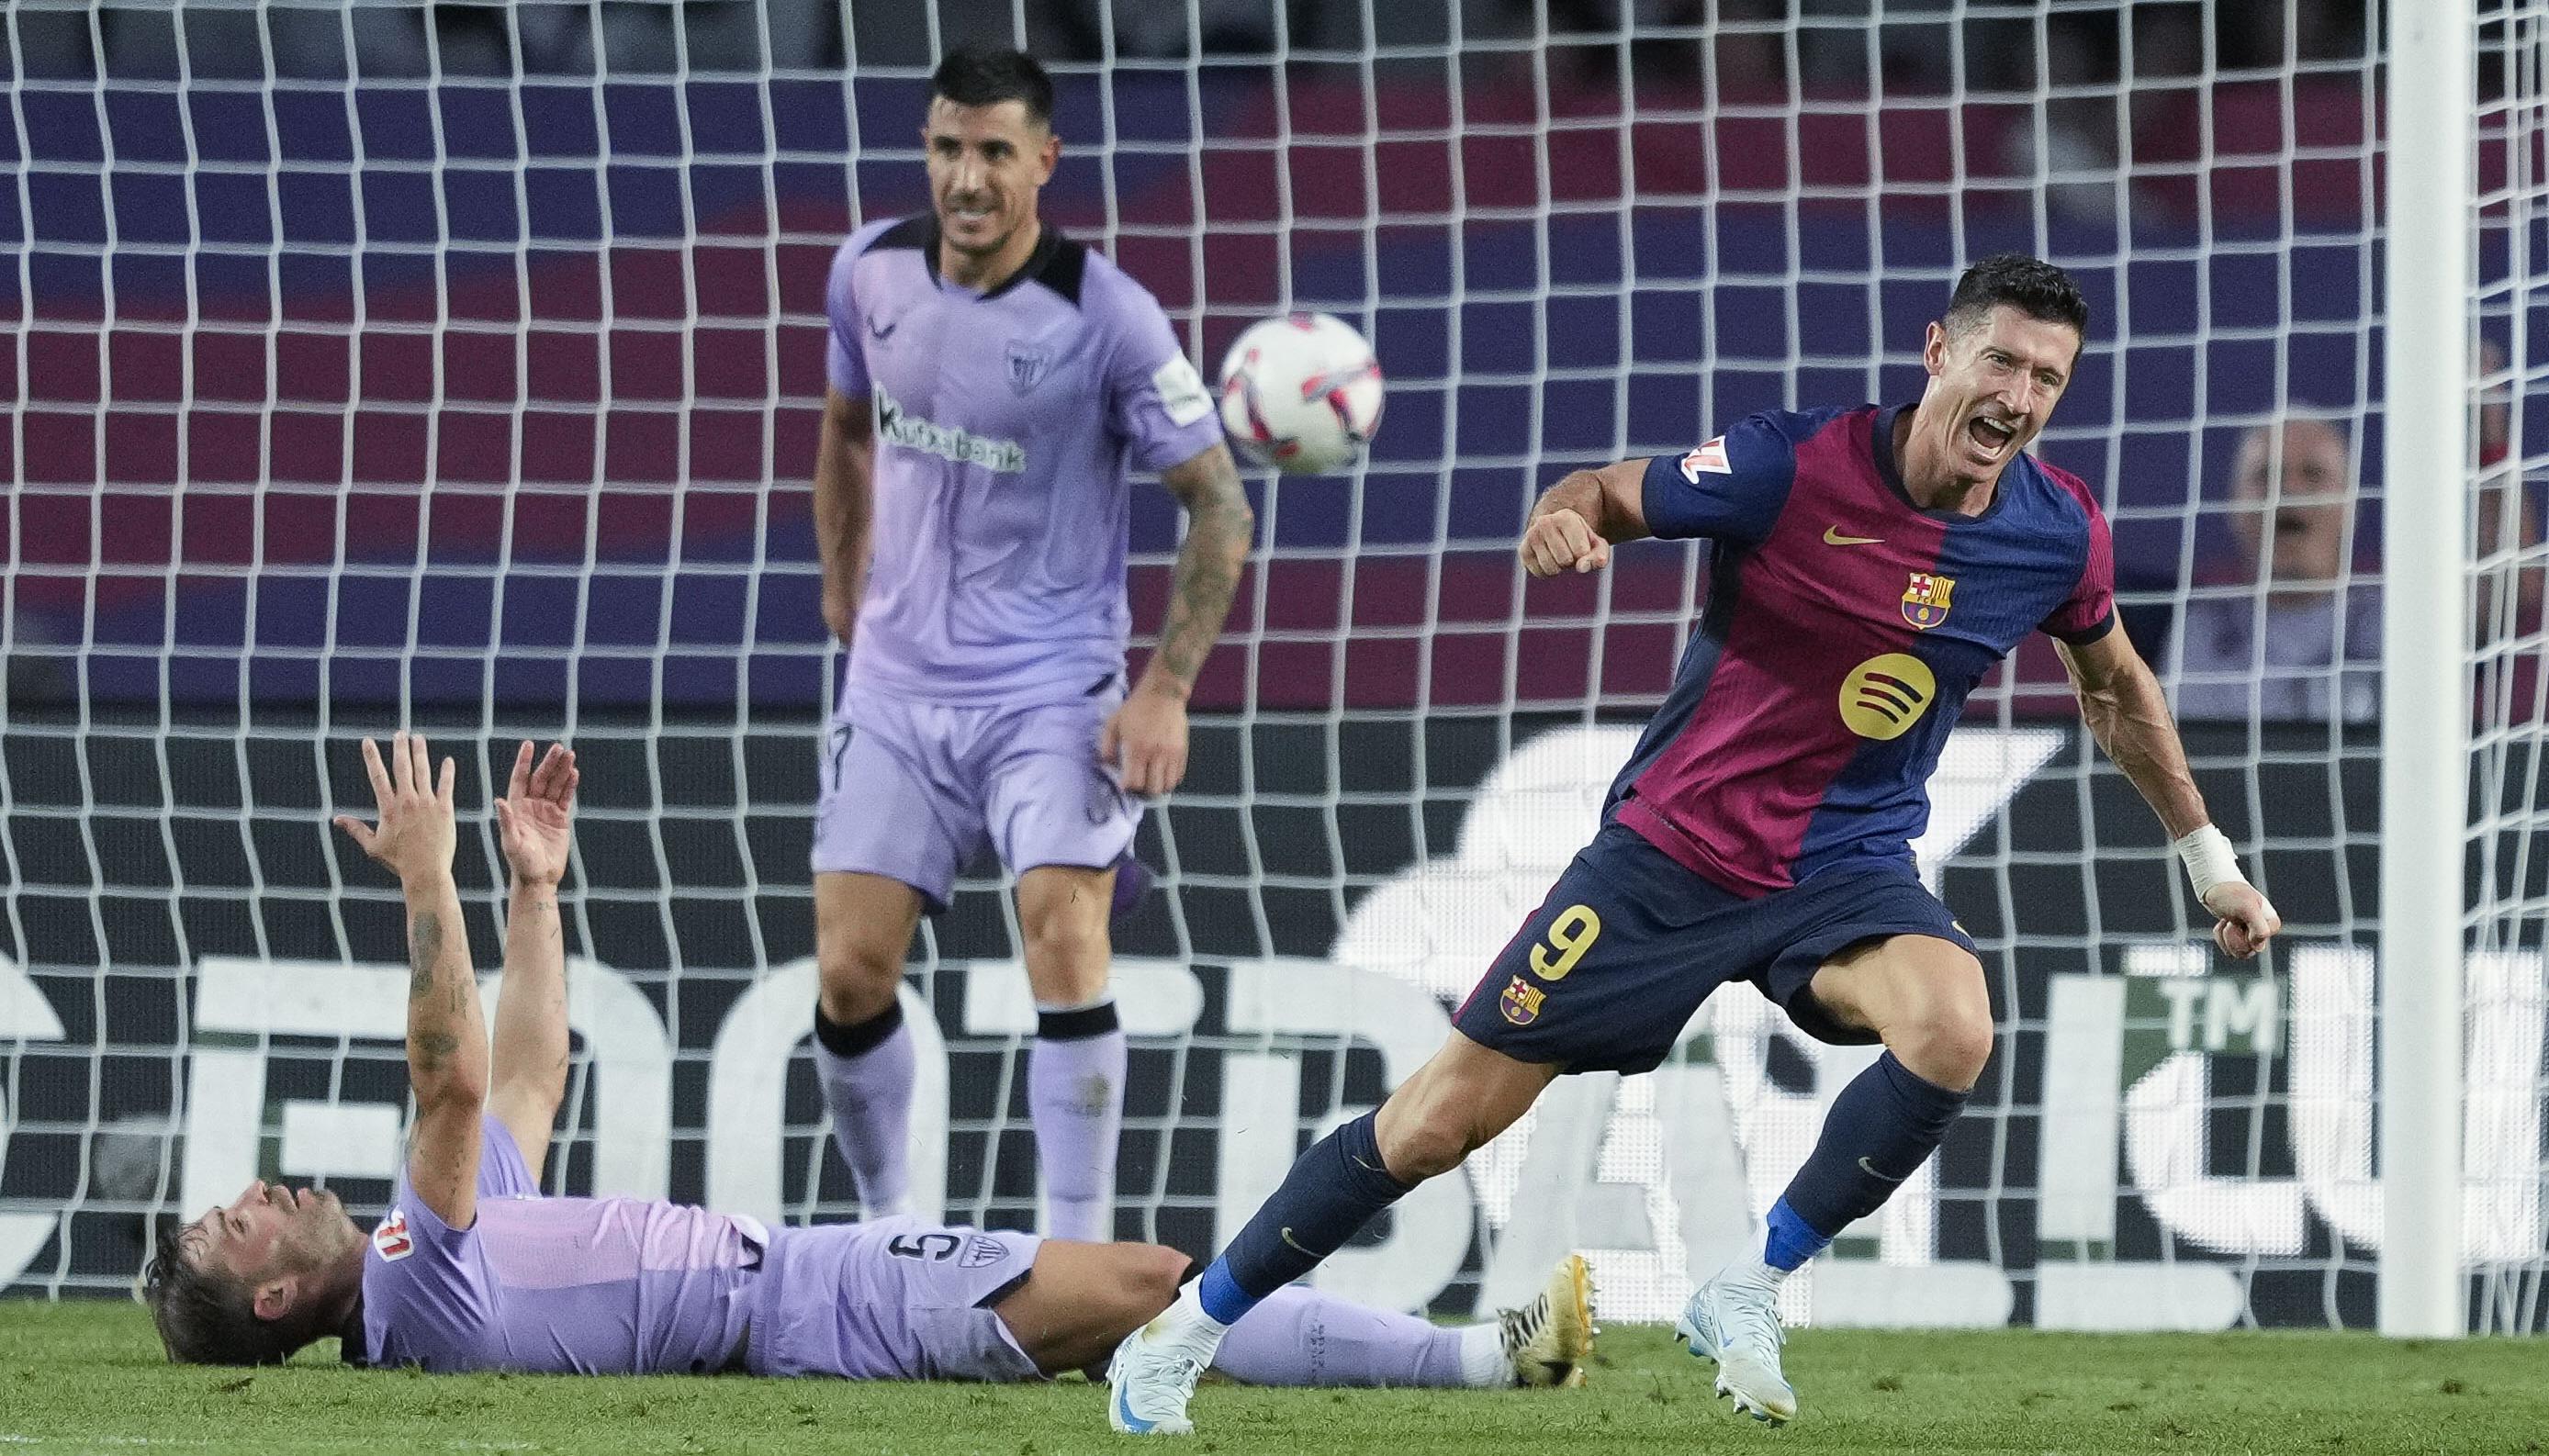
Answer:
(1881, 445)
(1057, 261)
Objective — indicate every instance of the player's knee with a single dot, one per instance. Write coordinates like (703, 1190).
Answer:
(1964, 1045)
(1066, 939)
(1066, 956)
(1937, 1018)
(1427, 1145)
(1140, 1280)
(1157, 1273)
(858, 982)
(1949, 1042)
(1423, 1154)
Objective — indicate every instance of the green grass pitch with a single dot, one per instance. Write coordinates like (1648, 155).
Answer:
(88, 1376)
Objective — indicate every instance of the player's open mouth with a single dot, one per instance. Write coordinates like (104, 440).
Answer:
(1992, 435)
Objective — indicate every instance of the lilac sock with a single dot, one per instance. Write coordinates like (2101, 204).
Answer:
(1076, 1099)
(867, 1072)
(1300, 1337)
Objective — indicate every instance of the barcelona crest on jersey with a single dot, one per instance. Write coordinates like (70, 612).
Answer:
(1924, 601)
(1521, 1002)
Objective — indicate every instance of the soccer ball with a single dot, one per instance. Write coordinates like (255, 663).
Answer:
(1300, 393)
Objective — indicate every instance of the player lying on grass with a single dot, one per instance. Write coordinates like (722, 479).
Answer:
(474, 1270)
(1870, 565)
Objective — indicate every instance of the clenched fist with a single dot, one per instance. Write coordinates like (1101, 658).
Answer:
(1560, 539)
(2243, 920)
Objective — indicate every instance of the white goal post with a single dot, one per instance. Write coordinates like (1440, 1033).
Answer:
(2431, 164)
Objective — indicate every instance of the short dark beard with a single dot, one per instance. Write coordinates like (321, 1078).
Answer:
(994, 247)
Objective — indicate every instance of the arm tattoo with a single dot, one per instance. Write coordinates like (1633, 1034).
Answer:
(432, 1048)
(424, 950)
(1218, 526)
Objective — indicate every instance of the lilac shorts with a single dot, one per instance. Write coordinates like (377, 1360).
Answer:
(896, 1299)
(913, 790)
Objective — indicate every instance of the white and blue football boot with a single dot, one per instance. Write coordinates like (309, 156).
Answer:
(1733, 1319)
(1154, 1373)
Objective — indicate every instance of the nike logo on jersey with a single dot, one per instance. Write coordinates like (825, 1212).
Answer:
(881, 335)
(1834, 538)
(1285, 1233)
(1870, 1169)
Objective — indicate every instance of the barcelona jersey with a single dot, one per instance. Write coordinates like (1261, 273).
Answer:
(1844, 626)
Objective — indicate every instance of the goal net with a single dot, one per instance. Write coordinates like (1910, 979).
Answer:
(459, 367)
(2505, 1085)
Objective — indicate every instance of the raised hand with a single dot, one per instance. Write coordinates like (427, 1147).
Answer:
(416, 834)
(534, 818)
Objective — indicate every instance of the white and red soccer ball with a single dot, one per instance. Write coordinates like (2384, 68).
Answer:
(1300, 393)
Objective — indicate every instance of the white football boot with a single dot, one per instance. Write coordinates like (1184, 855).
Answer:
(1154, 1372)
(1733, 1319)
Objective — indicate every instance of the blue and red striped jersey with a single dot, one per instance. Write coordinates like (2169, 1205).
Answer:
(1842, 630)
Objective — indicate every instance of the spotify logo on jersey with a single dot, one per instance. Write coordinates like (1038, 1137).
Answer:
(1883, 697)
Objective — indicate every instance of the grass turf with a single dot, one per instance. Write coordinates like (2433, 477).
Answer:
(88, 1376)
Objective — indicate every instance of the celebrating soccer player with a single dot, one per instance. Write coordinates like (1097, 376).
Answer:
(474, 1270)
(1870, 564)
(992, 384)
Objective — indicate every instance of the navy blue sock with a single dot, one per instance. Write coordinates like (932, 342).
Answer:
(1334, 1188)
(1881, 1129)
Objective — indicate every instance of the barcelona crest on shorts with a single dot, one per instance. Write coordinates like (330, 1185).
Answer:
(1521, 1002)
(1924, 601)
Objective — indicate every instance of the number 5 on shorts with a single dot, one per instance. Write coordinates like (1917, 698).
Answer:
(1569, 936)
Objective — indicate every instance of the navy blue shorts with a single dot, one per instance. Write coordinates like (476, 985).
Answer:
(1608, 971)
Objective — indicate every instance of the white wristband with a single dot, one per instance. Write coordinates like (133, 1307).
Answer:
(2210, 861)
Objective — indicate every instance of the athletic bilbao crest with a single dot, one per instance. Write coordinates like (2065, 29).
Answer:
(1028, 364)
(980, 1252)
(1924, 601)
(1521, 1002)
(391, 1238)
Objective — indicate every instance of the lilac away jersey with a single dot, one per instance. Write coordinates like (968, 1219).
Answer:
(1842, 630)
(1007, 424)
(589, 1286)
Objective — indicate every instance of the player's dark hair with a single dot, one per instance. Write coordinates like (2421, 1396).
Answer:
(973, 75)
(205, 1318)
(2032, 286)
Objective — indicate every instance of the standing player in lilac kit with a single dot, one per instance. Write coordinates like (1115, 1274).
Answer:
(474, 1270)
(993, 383)
(1871, 566)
